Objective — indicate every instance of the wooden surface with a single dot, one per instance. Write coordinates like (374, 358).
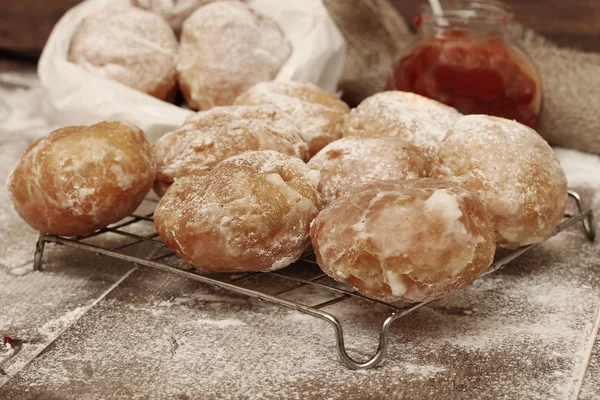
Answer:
(26, 24)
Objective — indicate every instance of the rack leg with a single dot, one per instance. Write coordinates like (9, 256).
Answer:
(39, 252)
(588, 221)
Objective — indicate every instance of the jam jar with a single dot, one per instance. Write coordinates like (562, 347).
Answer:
(465, 57)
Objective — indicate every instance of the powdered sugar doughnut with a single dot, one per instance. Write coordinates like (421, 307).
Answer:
(226, 47)
(405, 241)
(81, 178)
(252, 212)
(131, 46)
(352, 162)
(514, 172)
(418, 120)
(209, 137)
(318, 114)
(173, 11)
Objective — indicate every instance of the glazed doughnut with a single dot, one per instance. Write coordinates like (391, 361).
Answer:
(252, 212)
(418, 120)
(514, 172)
(209, 137)
(411, 240)
(319, 114)
(173, 11)
(351, 162)
(226, 47)
(76, 180)
(134, 47)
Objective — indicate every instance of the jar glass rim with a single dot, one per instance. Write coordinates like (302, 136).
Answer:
(490, 12)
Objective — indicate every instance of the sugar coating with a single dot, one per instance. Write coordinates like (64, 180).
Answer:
(131, 46)
(209, 137)
(409, 240)
(418, 120)
(252, 212)
(514, 172)
(226, 47)
(173, 11)
(350, 162)
(318, 113)
(79, 179)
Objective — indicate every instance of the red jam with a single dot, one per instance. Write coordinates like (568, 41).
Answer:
(472, 74)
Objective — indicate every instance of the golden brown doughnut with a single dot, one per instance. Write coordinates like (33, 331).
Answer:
(514, 172)
(319, 114)
(134, 47)
(351, 162)
(411, 240)
(252, 212)
(226, 47)
(418, 120)
(76, 180)
(210, 137)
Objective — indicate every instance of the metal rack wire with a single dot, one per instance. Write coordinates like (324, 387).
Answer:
(308, 275)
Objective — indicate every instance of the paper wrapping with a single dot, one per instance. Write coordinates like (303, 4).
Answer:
(74, 96)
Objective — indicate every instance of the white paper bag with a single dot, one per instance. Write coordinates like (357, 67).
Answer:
(73, 96)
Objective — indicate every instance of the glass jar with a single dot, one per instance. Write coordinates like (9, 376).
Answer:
(465, 57)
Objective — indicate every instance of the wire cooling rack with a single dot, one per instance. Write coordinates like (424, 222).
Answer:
(305, 273)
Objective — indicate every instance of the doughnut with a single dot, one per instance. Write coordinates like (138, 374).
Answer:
(252, 212)
(173, 11)
(418, 120)
(352, 162)
(78, 179)
(412, 240)
(514, 172)
(209, 137)
(226, 47)
(131, 46)
(319, 114)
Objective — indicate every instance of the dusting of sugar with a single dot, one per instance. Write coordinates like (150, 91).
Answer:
(226, 47)
(351, 162)
(318, 114)
(418, 120)
(175, 12)
(209, 137)
(129, 45)
(222, 324)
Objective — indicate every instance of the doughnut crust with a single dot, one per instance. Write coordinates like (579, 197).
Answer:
(78, 179)
(209, 137)
(226, 47)
(352, 162)
(173, 11)
(131, 46)
(318, 113)
(252, 212)
(418, 120)
(410, 240)
(514, 172)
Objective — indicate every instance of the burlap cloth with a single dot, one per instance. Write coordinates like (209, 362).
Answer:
(377, 34)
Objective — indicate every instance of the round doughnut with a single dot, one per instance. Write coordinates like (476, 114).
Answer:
(252, 212)
(173, 11)
(226, 47)
(352, 162)
(514, 172)
(418, 120)
(134, 47)
(209, 137)
(76, 180)
(318, 113)
(410, 240)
